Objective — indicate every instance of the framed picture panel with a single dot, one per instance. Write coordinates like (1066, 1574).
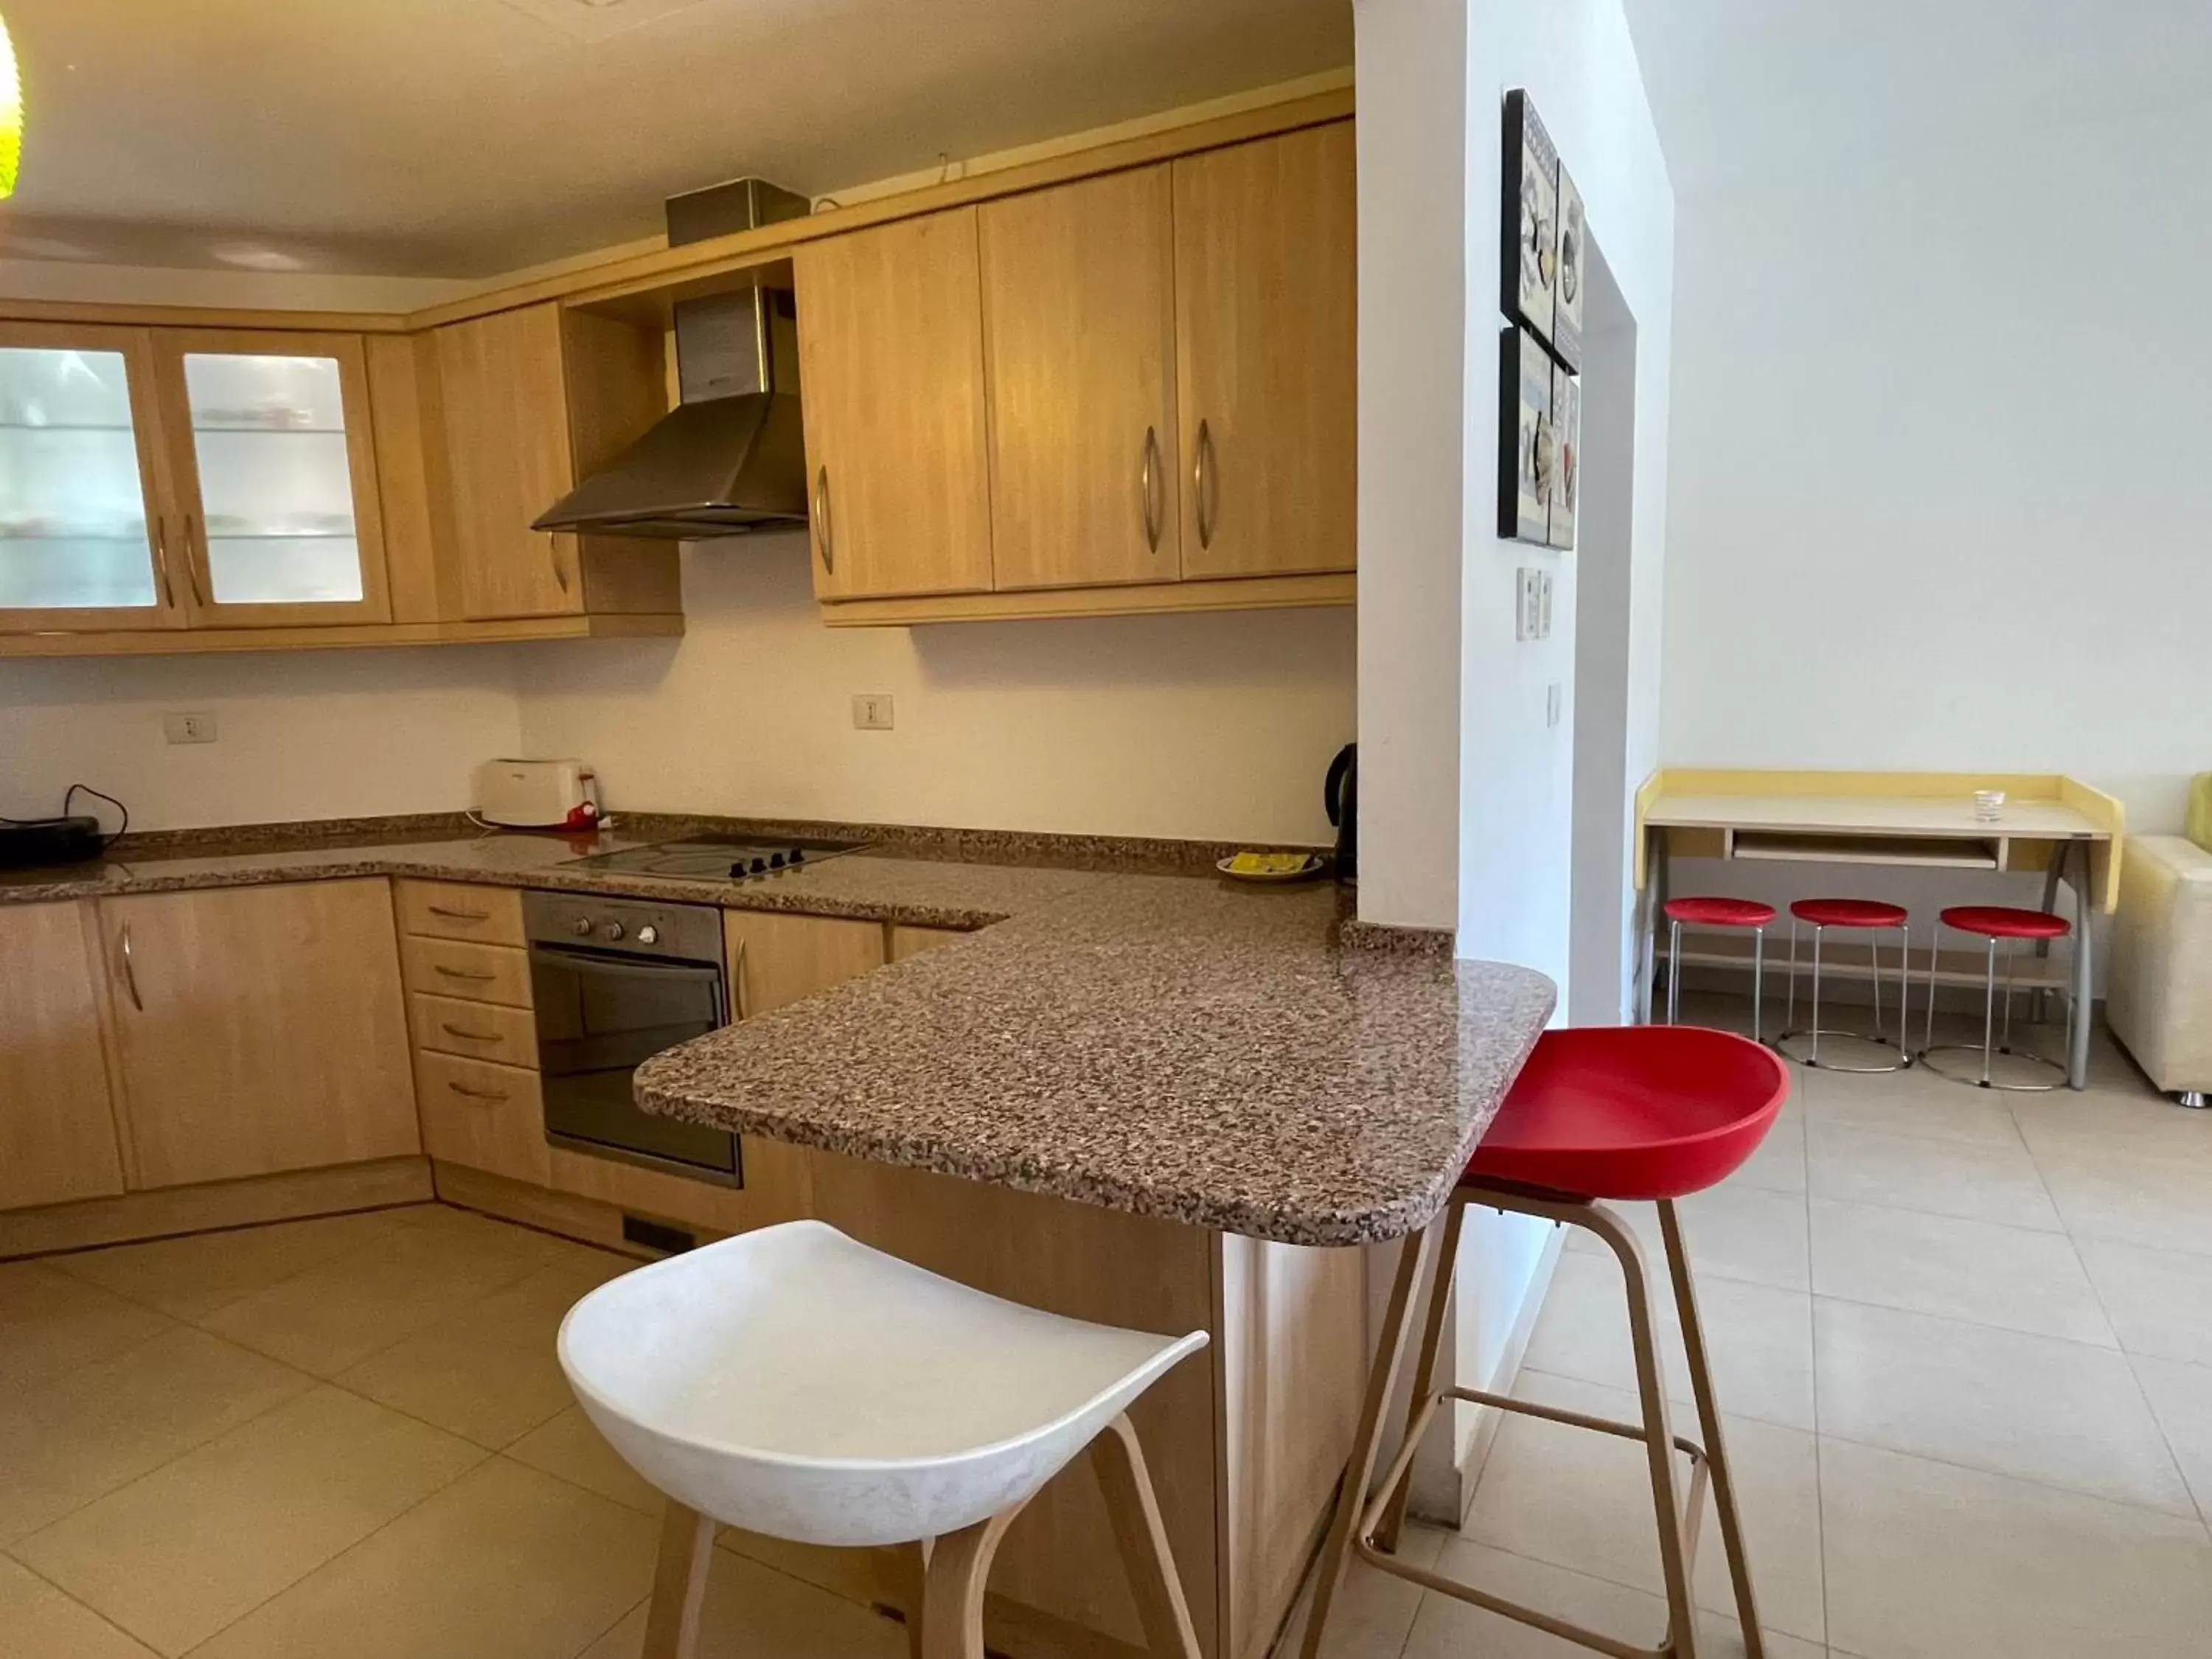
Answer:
(1566, 479)
(1573, 269)
(1528, 459)
(1529, 271)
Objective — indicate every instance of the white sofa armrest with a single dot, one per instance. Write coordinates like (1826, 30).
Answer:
(2159, 990)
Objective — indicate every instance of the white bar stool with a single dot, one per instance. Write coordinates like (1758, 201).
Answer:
(795, 1382)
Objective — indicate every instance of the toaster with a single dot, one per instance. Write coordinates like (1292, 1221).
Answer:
(537, 794)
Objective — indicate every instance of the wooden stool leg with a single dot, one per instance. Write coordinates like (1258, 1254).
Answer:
(917, 1596)
(1135, 1511)
(1658, 1428)
(1709, 1424)
(1425, 1367)
(679, 1584)
(1413, 1259)
(953, 1599)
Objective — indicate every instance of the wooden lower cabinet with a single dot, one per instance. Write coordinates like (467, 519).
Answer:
(57, 1140)
(258, 1029)
(902, 941)
(775, 958)
(487, 1116)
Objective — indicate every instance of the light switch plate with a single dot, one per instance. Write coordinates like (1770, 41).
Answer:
(188, 728)
(1544, 605)
(1529, 604)
(872, 711)
(1555, 703)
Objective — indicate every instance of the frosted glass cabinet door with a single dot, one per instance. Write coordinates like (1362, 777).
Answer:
(277, 477)
(80, 530)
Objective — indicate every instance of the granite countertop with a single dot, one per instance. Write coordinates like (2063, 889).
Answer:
(1208, 1054)
(1240, 1058)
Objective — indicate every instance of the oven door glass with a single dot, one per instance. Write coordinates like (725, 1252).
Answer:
(598, 1016)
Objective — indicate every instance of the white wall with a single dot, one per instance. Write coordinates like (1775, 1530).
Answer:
(1202, 726)
(1938, 498)
(311, 734)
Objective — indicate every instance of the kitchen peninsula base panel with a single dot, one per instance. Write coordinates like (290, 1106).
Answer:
(133, 1218)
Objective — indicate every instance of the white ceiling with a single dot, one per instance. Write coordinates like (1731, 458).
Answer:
(462, 138)
(1752, 86)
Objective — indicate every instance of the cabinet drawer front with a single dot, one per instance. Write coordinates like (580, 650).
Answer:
(474, 972)
(488, 1117)
(479, 1030)
(451, 909)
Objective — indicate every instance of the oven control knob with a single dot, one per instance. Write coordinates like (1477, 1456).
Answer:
(583, 928)
(648, 935)
(612, 930)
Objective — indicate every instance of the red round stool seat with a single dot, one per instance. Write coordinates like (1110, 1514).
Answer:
(1632, 1112)
(1719, 912)
(1848, 912)
(2003, 921)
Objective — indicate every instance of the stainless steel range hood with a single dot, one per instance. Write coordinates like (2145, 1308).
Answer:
(732, 456)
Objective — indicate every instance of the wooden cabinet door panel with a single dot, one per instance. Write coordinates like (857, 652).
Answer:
(507, 457)
(891, 362)
(259, 1029)
(775, 958)
(453, 910)
(1079, 332)
(487, 1116)
(905, 941)
(56, 1123)
(475, 973)
(1266, 353)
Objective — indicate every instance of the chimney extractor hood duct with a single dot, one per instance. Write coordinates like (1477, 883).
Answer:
(732, 456)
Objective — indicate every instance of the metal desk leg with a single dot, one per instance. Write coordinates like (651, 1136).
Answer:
(2085, 909)
(2039, 1008)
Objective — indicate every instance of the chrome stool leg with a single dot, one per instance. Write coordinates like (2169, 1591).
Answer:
(1674, 971)
(1758, 984)
(1990, 1046)
(1815, 1031)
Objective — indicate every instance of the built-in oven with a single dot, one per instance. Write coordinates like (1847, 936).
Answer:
(616, 981)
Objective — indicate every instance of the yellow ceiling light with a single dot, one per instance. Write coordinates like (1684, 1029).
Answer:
(11, 113)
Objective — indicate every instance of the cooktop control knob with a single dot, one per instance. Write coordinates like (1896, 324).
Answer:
(759, 866)
(583, 927)
(648, 935)
(775, 860)
(613, 930)
(798, 856)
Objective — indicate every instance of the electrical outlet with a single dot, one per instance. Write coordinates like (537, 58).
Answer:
(188, 728)
(872, 711)
(1529, 604)
(1544, 606)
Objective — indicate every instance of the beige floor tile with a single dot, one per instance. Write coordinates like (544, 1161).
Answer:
(55, 1324)
(38, 1621)
(2006, 1276)
(1977, 1181)
(2164, 1203)
(504, 1564)
(567, 1446)
(336, 1315)
(2065, 1413)
(1733, 1231)
(82, 1435)
(190, 1278)
(1582, 1500)
(2160, 1301)
(177, 1554)
(490, 1371)
(1761, 1340)
(754, 1612)
(1916, 1103)
(1930, 1561)
(2181, 1399)
(1779, 1166)
(1373, 1612)
(1450, 1629)
(2113, 1122)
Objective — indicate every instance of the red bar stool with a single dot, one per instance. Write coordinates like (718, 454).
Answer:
(1871, 915)
(1599, 1113)
(1719, 913)
(1992, 922)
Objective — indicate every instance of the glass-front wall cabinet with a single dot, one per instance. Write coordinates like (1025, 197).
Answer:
(185, 477)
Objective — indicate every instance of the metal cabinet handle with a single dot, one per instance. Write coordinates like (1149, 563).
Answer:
(1151, 492)
(464, 973)
(459, 915)
(130, 972)
(824, 538)
(161, 560)
(737, 981)
(476, 1094)
(461, 1032)
(191, 568)
(1201, 473)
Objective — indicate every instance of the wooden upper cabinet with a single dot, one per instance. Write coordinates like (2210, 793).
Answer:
(1078, 332)
(57, 1139)
(891, 371)
(271, 453)
(503, 393)
(258, 1029)
(1266, 353)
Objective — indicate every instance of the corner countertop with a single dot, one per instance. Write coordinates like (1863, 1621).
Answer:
(1181, 1047)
